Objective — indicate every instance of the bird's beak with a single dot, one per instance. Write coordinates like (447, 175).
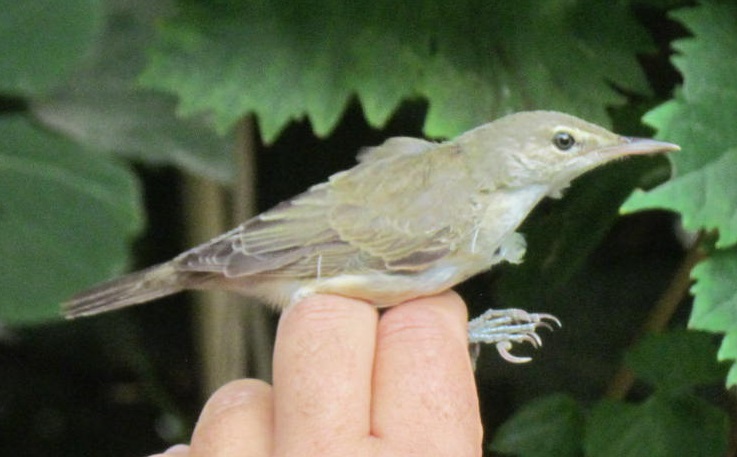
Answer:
(639, 146)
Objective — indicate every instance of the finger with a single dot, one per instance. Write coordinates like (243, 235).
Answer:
(323, 359)
(424, 387)
(237, 420)
(176, 450)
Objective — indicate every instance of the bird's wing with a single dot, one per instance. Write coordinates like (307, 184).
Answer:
(400, 145)
(408, 211)
(378, 215)
(268, 242)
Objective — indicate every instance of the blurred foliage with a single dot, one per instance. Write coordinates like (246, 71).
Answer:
(89, 87)
(50, 186)
(673, 420)
(229, 58)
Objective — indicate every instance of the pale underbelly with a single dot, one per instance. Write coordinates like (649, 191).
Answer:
(387, 289)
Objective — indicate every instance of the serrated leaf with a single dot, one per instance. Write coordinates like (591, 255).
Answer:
(715, 291)
(471, 60)
(715, 303)
(41, 40)
(662, 426)
(732, 376)
(548, 427)
(701, 119)
(676, 360)
(65, 217)
(101, 105)
(706, 198)
(728, 351)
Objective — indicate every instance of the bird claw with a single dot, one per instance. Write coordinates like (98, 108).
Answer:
(506, 327)
(503, 347)
(534, 339)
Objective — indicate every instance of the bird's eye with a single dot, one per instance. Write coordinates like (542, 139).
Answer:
(563, 141)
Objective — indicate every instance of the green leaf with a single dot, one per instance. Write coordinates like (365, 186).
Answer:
(676, 360)
(41, 40)
(701, 119)
(65, 217)
(715, 303)
(551, 426)
(101, 105)
(706, 198)
(728, 351)
(662, 4)
(616, 428)
(662, 426)
(471, 60)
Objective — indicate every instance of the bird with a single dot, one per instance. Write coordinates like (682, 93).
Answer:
(412, 218)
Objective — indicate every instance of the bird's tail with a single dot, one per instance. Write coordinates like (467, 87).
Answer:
(132, 289)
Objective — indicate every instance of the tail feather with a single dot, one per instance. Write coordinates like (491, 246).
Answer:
(132, 289)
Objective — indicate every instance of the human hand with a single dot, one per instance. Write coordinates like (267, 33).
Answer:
(348, 382)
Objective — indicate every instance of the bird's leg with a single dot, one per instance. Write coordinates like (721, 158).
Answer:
(504, 327)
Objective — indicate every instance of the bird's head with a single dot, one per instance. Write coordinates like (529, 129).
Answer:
(547, 148)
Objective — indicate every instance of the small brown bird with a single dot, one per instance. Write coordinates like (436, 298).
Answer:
(412, 218)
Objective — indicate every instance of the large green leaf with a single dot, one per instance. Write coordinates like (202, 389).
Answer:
(41, 40)
(472, 60)
(102, 106)
(671, 422)
(65, 218)
(706, 197)
(676, 360)
(551, 426)
(701, 119)
(662, 426)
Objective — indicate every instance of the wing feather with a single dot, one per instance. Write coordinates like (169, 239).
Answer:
(398, 213)
(394, 147)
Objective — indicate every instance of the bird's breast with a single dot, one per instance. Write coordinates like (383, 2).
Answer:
(387, 289)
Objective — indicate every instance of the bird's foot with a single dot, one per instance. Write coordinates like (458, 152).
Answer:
(504, 327)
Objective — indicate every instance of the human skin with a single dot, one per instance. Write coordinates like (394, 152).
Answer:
(348, 381)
